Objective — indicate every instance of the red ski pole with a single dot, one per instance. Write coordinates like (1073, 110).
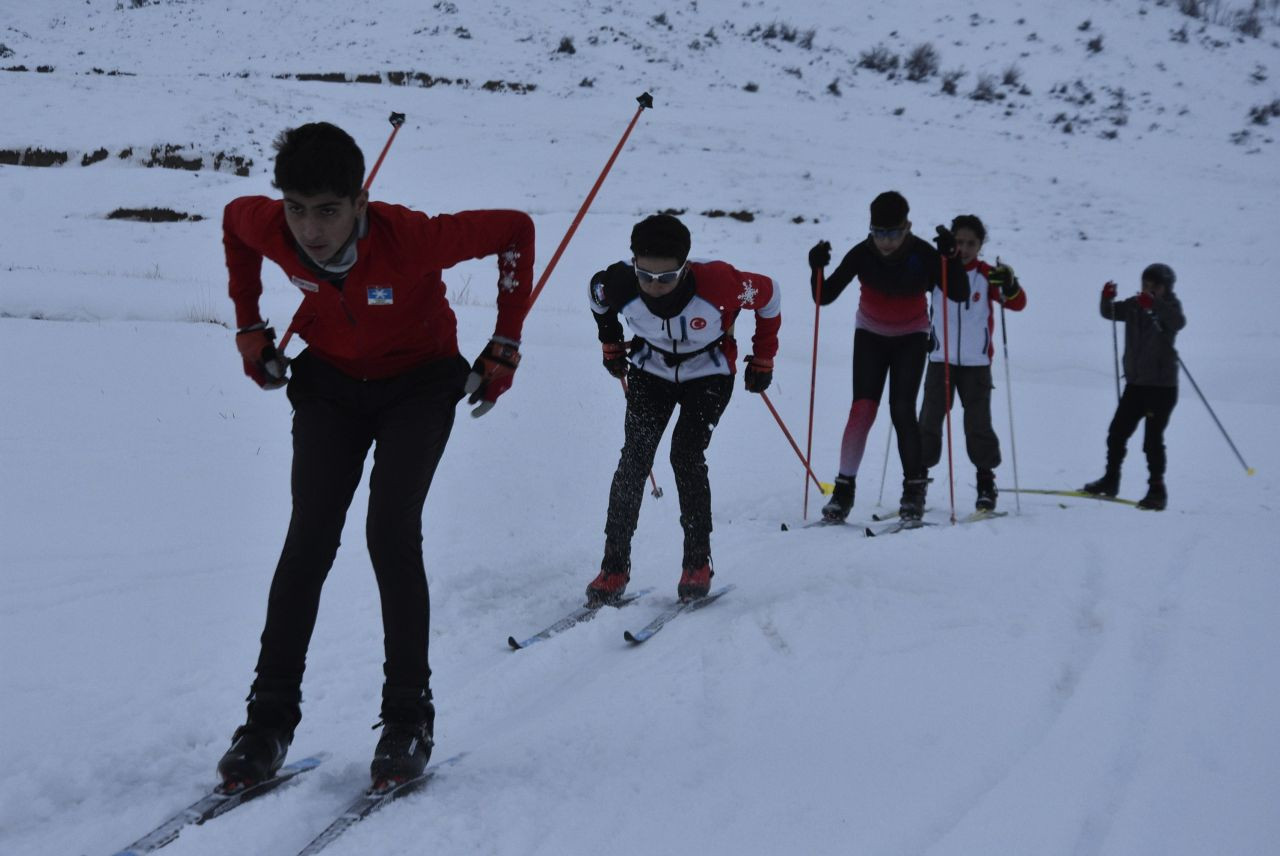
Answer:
(396, 119)
(805, 463)
(646, 101)
(813, 382)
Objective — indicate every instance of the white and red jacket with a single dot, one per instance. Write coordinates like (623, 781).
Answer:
(970, 323)
(695, 337)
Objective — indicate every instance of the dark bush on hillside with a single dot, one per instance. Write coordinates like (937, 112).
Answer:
(566, 46)
(950, 79)
(880, 59)
(1264, 113)
(985, 89)
(922, 63)
(1095, 44)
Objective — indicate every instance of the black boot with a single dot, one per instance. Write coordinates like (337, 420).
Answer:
(1157, 497)
(987, 492)
(1108, 485)
(914, 491)
(408, 730)
(841, 502)
(258, 747)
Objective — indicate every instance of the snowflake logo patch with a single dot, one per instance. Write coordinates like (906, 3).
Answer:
(748, 295)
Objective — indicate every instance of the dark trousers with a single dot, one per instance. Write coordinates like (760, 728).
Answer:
(337, 418)
(973, 383)
(650, 402)
(899, 360)
(1152, 403)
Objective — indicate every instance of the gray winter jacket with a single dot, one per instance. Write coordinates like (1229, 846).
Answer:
(1149, 355)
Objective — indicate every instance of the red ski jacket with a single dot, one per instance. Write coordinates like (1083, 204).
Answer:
(389, 313)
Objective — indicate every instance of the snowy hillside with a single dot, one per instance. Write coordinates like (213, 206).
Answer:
(1076, 678)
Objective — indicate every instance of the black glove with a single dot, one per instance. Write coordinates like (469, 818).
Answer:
(1002, 277)
(945, 242)
(759, 374)
(820, 255)
(615, 358)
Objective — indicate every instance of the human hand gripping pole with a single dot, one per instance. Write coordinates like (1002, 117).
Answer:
(491, 374)
(263, 363)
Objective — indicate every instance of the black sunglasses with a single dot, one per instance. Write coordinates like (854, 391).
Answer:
(888, 234)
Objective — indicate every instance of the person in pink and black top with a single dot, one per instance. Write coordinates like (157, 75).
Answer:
(895, 269)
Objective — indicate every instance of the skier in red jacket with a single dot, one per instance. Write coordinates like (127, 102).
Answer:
(381, 369)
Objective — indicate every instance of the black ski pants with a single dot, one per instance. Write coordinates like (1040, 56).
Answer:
(900, 361)
(1152, 403)
(973, 383)
(651, 400)
(337, 418)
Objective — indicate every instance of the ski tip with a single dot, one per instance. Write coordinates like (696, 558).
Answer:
(869, 531)
(785, 527)
(515, 646)
(631, 637)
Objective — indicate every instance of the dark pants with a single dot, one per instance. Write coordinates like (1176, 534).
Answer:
(650, 403)
(973, 383)
(1153, 403)
(900, 360)
(407, 419)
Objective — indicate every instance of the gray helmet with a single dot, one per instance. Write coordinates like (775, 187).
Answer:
(1160, 274)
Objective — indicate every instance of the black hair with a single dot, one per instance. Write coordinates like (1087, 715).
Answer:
(971, 222)
(889, 209)
(317, 158)
(661, 236)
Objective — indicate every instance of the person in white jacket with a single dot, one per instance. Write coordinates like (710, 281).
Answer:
(970, 346)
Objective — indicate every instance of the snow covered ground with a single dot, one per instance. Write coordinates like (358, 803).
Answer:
(1079, 678)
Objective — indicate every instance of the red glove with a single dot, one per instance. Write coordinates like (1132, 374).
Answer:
(1109, 291)
(491, 374)
(1145, 300)
(759, 374)
(615, 358)
(262, 362)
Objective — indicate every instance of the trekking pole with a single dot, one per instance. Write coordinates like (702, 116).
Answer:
(1248, 470)
(1008, 389)
(1115, 348)
(646, 102)
(813, 383)
(946, 377)
(396, 120)
(657, 491)
(884, 470)
(822, 488)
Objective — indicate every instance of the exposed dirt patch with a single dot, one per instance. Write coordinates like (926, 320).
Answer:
(408, 78)
(32, 157)
(154, 215)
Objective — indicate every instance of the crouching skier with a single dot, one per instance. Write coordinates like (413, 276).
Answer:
(381, 369)
(682, 314)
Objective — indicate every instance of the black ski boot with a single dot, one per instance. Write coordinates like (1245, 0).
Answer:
(1157, 497)
(841, 502)
(1108, 485)
(914, 491)
(258, 747)
(987, 492)
(408, 728)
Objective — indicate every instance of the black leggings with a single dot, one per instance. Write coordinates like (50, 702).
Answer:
(650, 402)
(1153, 403)
(407, 419)
(900, 360)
